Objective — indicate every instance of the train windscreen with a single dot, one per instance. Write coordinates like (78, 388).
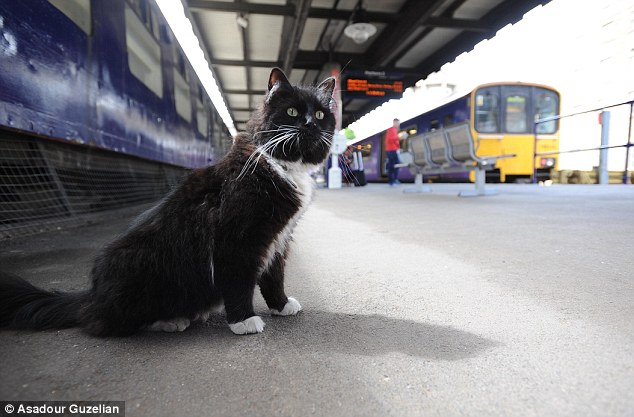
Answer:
(546, 105)
(513, 108)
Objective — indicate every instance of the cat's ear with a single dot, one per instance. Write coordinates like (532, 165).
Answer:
(327, 86)
(277, 79)
(277, 75)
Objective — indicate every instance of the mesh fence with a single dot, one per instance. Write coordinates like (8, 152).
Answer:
(44, 185)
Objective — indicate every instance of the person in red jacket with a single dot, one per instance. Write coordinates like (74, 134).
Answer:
(392, 146)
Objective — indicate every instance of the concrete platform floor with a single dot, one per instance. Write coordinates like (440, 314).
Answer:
(520, 304)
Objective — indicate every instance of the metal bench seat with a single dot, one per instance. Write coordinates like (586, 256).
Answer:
(448, 150)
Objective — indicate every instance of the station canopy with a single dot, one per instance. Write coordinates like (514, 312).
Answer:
(406, 41)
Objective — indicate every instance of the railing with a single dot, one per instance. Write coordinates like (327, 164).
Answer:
(605, 127)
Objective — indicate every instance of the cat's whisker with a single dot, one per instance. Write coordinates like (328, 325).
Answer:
(279, 127)
(325, 138)
(287, 141)
(281, 139)
(347, 171)
(268, 148)
(263, 149)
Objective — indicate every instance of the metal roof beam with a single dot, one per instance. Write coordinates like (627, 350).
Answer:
(288, 10)
(255, 8)
(414, 14)
(377, 17)
(247, 63)
(246, 51)
(295, 31)
(306, 60)
(450, 23)
(316, 59)
(250, 92)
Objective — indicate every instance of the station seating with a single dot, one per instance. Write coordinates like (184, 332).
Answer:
(444, 151)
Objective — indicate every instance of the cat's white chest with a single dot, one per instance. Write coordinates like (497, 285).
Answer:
(297, 175)
(304, 184)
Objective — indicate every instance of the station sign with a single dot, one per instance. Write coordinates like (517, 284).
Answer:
(373, 84)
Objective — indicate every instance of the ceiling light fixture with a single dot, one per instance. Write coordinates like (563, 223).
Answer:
(359, 28)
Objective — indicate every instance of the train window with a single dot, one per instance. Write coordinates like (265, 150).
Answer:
(202, 121)
(155, 24)
(405, 133)
(144, 53)
(447, 120)
(182, 96)
(515, 120)
(200, 93)
(546, 105)
(147, 15)
(366, 150)
(487, 110)
(76, 10)
(181, 65)
(434, 124)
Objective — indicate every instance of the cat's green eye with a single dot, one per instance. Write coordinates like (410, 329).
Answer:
(292, 111)
(319, 114)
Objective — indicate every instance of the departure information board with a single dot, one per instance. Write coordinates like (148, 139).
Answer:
(373, 84)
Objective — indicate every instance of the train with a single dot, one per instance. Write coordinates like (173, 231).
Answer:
(108, 75)
(501, 117)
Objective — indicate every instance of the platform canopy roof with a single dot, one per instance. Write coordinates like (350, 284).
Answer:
(244, 39)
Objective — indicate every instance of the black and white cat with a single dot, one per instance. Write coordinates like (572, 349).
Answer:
(225, 229)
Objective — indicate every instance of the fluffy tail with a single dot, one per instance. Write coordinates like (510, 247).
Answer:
(24, 306)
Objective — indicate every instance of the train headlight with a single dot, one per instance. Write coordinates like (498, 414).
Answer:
(547, 162)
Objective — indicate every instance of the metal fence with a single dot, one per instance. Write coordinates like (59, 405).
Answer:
(604, 119)
(44, 184)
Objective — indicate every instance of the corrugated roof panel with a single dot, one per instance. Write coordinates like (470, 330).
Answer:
(238, 100)
(385, 6)
(221, 34)
(475, 9)
(233, 78)
(260, 78)
(296, 76)
(427, 46)
(264, 37)
(312, 32)
(241, 115)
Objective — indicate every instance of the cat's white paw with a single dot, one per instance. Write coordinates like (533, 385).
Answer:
(174, 325)
(291, 308)
(251, 325)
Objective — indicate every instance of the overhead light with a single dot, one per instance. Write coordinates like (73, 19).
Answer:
(359, 28)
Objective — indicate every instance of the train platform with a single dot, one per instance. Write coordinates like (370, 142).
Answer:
(519, 304)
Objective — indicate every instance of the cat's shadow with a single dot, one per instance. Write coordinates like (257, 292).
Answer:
(328, 332)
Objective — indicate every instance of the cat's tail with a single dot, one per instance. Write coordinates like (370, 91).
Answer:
(24, 306)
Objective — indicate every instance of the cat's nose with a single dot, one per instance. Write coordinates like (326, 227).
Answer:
(310, 122)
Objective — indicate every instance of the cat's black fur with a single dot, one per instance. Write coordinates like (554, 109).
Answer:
(222, 231)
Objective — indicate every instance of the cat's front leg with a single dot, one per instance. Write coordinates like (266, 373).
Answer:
(272, 288)
(240, 314)
(237, 283)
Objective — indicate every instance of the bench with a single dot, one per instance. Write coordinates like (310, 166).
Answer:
(444, 151)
